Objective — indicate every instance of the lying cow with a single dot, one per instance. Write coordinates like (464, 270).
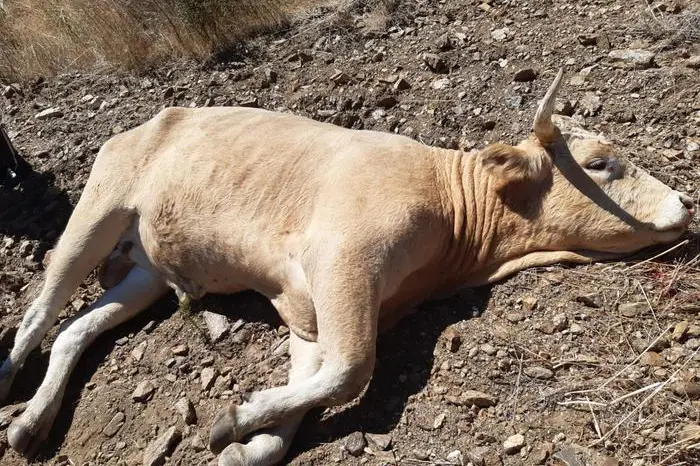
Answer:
(340, 229)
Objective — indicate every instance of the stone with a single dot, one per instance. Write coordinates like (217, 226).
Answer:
(514, 444)
(186, 409)
(379, 441)
(217, 325)
(632, 58)
(541, 455)
(441, 84)
(652, 358)
(159, 449)
(143, 391)
(113, 426)
(340, 78)
(138, 352)
(588, 300)
(250, 103)
(455, 457)
(435, 63)
(591, 104)
(487, 348)
(477, 398)
(439, 421)
(693, 62)
(538, 372)
(387, 101)
(688, 389)
(501, 35)
(632, 309)
(525, 75)
(197, 443)
(355, 443)
(576, 329)
(560, 322)
(401, 84)
(181, 350)
(453, 340)
(484, 456)
(208, 377)
(680, 330)
(52, 112)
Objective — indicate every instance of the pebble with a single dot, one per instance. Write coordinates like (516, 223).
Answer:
(208, 377)
(632, 309)
(680, 330)
(652, 358)
(401, 85)
(197, 443)
(541, 454)
(217, 325)
(441, 84)
(538, 372)
(631, 58)
(113, 426)
(49, 113)
(501, 35)
(138, 352)
(143, 391)
(514, 444)
(452, 340)
(156, 452)
(591, 104)
(455, 457)
(439, 421)
(687, 389)
(477, 398)
(355, 443)
(488, 349)
(387, 101)
(435, 63)
(576, 329)
(693, 62)
(181, 350)
(379, 441)
(588, 300)
(525, 75)
(186, 409)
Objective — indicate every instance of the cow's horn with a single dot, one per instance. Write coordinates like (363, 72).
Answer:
(543, 127)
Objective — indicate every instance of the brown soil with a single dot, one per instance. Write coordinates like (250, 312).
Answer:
(530, 341)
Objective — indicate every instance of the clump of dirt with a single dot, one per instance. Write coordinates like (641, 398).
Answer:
(574, 366)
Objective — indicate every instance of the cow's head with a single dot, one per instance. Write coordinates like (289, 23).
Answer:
(577, 192)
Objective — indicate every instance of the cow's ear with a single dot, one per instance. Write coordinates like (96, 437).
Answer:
(514, 164)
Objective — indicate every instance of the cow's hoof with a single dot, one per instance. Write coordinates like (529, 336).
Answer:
(233, 456)
(223, 431)
(26, 437)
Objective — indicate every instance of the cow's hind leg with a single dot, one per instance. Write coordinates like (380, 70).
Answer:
(268, 447)
(92, 232)
(137, 291)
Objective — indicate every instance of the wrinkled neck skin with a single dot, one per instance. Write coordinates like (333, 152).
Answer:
(493, 230)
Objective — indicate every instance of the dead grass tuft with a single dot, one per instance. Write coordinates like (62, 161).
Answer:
(41, 37)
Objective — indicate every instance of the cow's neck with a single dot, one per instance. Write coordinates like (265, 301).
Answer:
(487, 239)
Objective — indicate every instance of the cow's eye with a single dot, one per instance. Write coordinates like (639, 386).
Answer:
(597, 164)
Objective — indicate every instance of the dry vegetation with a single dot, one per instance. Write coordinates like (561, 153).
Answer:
(47, 36)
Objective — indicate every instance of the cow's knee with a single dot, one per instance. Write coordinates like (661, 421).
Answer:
(349, 378)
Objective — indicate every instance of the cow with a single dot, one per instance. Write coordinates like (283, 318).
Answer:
(343, 230)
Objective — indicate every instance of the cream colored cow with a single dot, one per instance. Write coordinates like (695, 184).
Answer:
(340, 229)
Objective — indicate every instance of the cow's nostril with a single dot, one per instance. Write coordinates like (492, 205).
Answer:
(688, 203)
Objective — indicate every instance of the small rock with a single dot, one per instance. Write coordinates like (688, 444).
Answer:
(181, 350)
(680, 330)
(637, 59)
(251, 103)
(441, 84)
(156, 452)
(386, 101)
(455, 457)
(538, 372)
(138, 352)
(564, 107)
(217, 325)
(114, 425)
(542, 454)
(143, 391)
(52, 112)
(693, 62)
(529, 303)
(588, 39)
(589, 300)
(576, 329)
(560, 322)
(488, 349)
(435, 63)
(477, 398)
(514, 444)
(401, 84)
(452, 340)
(687, 389)
(525, 75)
(208, 377)
(355, 443)
(197, 443)
(340, 78)
(652, 358)
(379, 441)
(591, 104)
(501, 35)
(439, 421)
(632, 309)
(186, 409)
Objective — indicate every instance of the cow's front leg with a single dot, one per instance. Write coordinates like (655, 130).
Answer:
(346, 304)
(136, 292)
(269, 446)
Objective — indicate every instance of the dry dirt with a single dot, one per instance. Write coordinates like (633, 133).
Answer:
(528, 342)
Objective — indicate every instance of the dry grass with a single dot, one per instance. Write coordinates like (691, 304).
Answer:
(41, 37)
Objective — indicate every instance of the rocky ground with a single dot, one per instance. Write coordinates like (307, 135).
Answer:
(593, 365)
